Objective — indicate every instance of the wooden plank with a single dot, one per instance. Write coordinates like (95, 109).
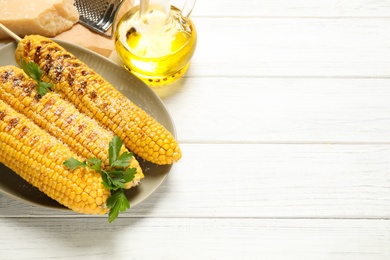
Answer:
(274, 110)
(310, 47)
(188, 238)
(297, 8)
(249, 47)
(264, 181)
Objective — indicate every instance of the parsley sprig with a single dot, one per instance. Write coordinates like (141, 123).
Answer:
(33, 71)
(114, 178)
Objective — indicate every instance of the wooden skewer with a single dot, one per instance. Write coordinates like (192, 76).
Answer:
(10, 33)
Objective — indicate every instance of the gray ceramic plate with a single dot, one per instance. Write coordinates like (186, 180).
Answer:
(133, 88)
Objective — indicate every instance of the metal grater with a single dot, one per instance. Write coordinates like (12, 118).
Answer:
(98, 15)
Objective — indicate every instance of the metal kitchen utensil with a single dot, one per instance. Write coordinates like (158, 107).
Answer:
(98, 15)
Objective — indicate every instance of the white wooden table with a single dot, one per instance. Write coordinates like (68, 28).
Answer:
(284, 122)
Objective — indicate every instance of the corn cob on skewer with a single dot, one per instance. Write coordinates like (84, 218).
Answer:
(95, 97)
(38, 158)
(59, 117)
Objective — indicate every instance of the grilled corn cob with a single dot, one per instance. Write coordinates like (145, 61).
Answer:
(95, 97)
(58, 117)
(38, 158)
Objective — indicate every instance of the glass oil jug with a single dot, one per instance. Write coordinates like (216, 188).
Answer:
(156, 41)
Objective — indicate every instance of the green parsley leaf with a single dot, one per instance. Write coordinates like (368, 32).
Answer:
(106, 180)
(123, 160)
(72, 163)
(43, 88)
(117, 202)
(129, 174)
(95, 164)
(113, 149)
(117, 180)
(33, 71)
(24, 66)
(114, 177)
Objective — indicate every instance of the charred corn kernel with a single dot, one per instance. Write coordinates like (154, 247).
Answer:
(94, 96)
(52, 181)
(58, 117)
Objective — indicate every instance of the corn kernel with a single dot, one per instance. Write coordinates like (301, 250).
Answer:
(169, 152)
(84, 196)
(98, 98)
(99, 201)
(93, 193)
(77, 198)
(72, 195)
(78, 191)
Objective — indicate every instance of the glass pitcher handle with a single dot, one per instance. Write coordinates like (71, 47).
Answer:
(187, 8)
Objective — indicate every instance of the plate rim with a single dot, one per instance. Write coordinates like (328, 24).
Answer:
(145, 87)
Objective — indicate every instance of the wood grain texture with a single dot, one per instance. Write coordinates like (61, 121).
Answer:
(264, 181)
(297, 8)
(188, 238)
(277, 110)
(284, 122)
(291, 47)
(279, 47)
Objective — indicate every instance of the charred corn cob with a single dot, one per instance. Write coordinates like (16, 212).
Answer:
(38, 158)
(95, 97)
(58, 117)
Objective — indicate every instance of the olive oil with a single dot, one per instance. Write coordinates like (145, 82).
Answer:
(156, 48)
